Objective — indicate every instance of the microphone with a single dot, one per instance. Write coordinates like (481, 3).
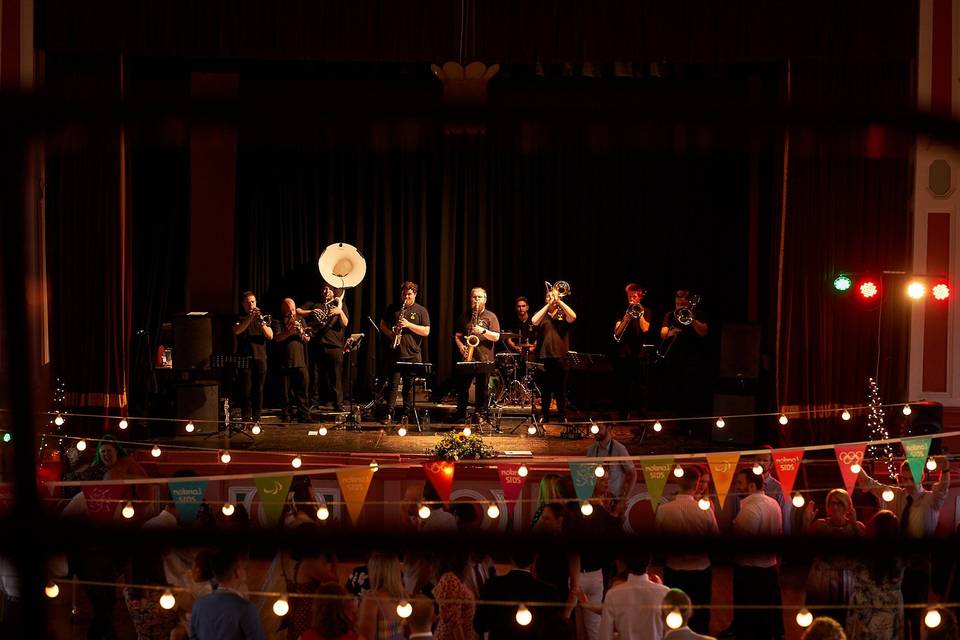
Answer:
(375, 327)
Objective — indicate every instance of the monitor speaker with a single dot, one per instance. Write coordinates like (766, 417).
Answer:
(199, 401)
(192, 342)
(735, 430)
(740, 351)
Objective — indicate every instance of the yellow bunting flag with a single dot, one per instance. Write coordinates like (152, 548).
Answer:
(723, 466)
(655, 474)
(354, 484)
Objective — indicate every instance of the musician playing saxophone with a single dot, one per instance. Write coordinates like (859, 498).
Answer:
(554, 319)
(480, 326)
(291, 333)
(404, 327)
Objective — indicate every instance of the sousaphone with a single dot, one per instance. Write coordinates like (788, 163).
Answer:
(342, 266)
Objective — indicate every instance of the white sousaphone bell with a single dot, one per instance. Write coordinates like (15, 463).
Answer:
(342, 266)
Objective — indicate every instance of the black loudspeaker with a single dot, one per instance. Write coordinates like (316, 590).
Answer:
(192, 342)
(925, 418)
(735, 430)
(199, 401)
(740, 351)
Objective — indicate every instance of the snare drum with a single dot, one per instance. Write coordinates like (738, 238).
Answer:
(507, 364)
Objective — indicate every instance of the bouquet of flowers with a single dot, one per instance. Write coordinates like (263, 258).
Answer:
(456, 446)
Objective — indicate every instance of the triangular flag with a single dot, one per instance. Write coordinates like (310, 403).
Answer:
(187, 496)
(655, 474)
(511, 481)
(273, 495)
(353, 485)
(787, 464)
(916, 450)
(584, 479)
(440, 474)
(723, 466)
(102, 501)
(848, 455)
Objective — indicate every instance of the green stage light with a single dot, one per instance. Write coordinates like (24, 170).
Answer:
(842, 282)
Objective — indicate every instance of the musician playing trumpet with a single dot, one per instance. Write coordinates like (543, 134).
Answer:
(554, 319)
(477, 334)
(253, 332)
(685, 388)
(404, 327)
(291, 332)
(328, 323)
(631, 364)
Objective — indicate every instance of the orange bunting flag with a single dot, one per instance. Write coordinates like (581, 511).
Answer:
(440, 474)
(354, 484)
(723, 466)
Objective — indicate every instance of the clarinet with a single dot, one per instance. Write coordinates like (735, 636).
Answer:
(398, 329)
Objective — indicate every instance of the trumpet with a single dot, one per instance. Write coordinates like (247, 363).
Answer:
(635, 310)
(259, 318)
(398, 328)
(684, 315)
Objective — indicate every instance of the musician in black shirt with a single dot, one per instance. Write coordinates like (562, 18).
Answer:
(253, 332)
(630, 332)
(411, 323)
(526, 344)
(554, 320)
(682, 332)
(290, 331)
(482, 323)
(327, 323)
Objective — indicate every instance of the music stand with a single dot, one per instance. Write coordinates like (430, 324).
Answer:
(534, 393)
(228, 428)
(414, 368)
(475, 368)
(350, 346)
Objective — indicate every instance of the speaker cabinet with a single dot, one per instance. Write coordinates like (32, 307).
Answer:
(192, 342)
(199, 401)
(740, 351)
(735, 430)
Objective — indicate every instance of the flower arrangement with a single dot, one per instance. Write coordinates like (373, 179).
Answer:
(456, 446)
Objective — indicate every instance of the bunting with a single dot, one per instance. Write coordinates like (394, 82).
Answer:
(916, 451)
(273, 494)
(440, 474)
(655, 474)
(848, 455)
(511, 481)
(723, 466)
(584, 479)
(354, 484)
(187, 496)
(787, 464)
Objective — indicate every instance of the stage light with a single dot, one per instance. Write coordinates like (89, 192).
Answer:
(868, 289)
(225, 457)
(522, 471)
(674, 619)
(467, 431)
(888, 495)
(907, 410)
(52, 590)
(322, 431)
(932, 619)
(402, 431)
(855, 468)
(916, 290)
(532, 430)
(845, 415)
(81, 445)
(227, 509)
(704, 504)
(423, 511)
(594, 428)
(940, 291)
(256, 430)
(798, 501)
(678, 471)
(123, 424)
(783, 419)
(297, 462)
(167, 600)
(281, 607)
(657, 426)
(323, 512)
(128, 511)
(493, 511)
(189, 428)
(586, 508)
(720, 423)
(7, 437)
(842, 282)
(404, 609)
(524, 617)
(758, 469)
(374, 466)
(155, 452)
(804, 618)
(931, 464)
(598, 471)
(59, 420)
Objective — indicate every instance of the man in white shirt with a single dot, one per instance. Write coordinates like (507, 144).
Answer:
(690, 572)
(632, 609)
(420, 622)
(756, 579)
(919, 513)
(677, 601)
(621, 476)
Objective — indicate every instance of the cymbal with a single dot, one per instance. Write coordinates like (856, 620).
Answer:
(509, 334)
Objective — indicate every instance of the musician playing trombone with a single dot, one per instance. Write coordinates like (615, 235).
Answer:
(477, 333)
(554, 319)
(328, 323)
(253, 332)
(685, 390)
(630, 333)
(404, 326)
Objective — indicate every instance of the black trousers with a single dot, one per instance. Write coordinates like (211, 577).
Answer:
(482, 396)
(631, 387)
(408, 386)
(295, 392)
(699, 586)
(554, 385)
(252, 380)
(757, 586)
(330, 373)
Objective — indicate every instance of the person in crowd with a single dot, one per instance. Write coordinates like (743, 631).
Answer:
(304, 570)
(876, 604)
(689, 572)
(518, 585)
(824, 628)
(440, 520)
(225, 614)
(549, 493)
(197, 584)
(621, 476)
(771, 487)
(631, 610)
(420, 622)
(455, 600)
(480, 565)
(334, 615)
(831, 577)
(556, 566)
(150, 620)
(677, 601)
(378, 618)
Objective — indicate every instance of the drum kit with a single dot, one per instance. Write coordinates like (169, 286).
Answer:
(513, 383)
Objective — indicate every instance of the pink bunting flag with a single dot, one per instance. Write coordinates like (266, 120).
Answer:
(847, 456)
(787, 464)
(440, 474)
(511, 481)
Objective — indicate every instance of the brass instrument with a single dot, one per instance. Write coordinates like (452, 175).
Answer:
(323, 312)
(684, 315)
(562, 289)
(293, 323)
(635, 311)
(259, 318)
(398, 328)
(472, 339)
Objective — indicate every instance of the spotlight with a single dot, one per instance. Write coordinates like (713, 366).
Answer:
(657, 426)
(522, 471)
(842, 282)
(493, 511)
(281, 606)
(374, 466)
(227, 509)
(586, 508)
(155, 452)
(804, 618)
(940, 291)
(189, 428)
(404, 609)
(845, 415)
(524, 617)
(916, 290)
(720, 423)
(868, 289)
(167, 600)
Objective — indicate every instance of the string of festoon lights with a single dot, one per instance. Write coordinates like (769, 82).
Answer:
(523, 615)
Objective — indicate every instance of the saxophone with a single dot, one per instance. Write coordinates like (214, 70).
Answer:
(472, 340)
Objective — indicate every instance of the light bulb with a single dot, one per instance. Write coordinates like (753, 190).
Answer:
(374, 466)
(704, 504)
(297, 462)
(657, 426)
(932, 619)
(845, 415)
(493, 511)
(674, 619)
(402, 431)
(128, 511)
(532, 430)
(322, 431)
(404, 609)
(52, 590)
(855, 468)
(522, 471)
(931, 464)
(598, 471)
(784, 419)
(155, 452)
(123, 424)
(758, 469)
(888, 495)
(189, 428)
(586, 508)
(227, 509)
(804, 618)
(467, 431)
(594, 429)
(281, 606)
(167, 600)
(423, 511)
(678, 471)
(225, 457)
(256, 429)
(59, 420)
(524, 617)
(323, 512)
(81, 445)
(798, 501)
(907, 410)
(720, 423)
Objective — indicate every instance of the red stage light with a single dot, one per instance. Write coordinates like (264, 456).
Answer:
(868, 289)
(940, 291)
